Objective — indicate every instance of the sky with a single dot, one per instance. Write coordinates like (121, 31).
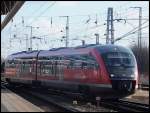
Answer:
(45, 17)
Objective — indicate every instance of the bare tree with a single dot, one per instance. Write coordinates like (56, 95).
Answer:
(142, 57)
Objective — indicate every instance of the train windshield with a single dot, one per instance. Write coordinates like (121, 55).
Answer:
(119, 63)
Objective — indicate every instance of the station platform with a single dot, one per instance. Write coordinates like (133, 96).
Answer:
(11, 102)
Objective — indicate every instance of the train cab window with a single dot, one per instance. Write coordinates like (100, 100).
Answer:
(119, 62)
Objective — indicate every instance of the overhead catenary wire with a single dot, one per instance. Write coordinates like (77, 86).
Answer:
(129, 33)
(72, 15)
(136, 27)
(33, 13)
(42, 12)
(75, 29)
(39, 14)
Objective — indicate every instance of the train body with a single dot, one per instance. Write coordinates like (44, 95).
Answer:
(104, 70)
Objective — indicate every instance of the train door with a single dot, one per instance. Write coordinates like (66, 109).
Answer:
(18, 68)
(91, 67)
(60, 68)
(33, 68)
(47, 68)
(57, 68)
(21, 72)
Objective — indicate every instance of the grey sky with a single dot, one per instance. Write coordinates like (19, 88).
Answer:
(38, 14)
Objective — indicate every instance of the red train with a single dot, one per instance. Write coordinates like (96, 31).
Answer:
(104, 70)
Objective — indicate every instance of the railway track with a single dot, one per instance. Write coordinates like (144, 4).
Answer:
(122, 105)
(64, 101)
(57, 101)
(117, 105)
(136, 106)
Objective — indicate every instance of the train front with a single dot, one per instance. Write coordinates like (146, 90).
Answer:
(121, 66)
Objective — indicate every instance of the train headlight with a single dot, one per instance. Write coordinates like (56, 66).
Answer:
(112, 75)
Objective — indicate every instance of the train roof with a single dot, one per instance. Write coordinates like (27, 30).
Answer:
(23, 54)
(64, 51)
(113, 48)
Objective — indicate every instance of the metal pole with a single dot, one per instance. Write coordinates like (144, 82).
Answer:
(140, 25)
(67, 30)
(30, 49)
(11, 14)
(31, 36)
(97, 38)
(83, 42)
(107, 30)
(110, 27)
(26, 41)
(31, 39)
(139, 34)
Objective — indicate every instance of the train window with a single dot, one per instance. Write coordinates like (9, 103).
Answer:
(72, 61)
(84, 65)
(52, 69)
(25, 66)
(6, 64)
(59, 65)
(51, 58)
(88, 58)
(43, 58)
(88, 62)
(45, 69)
(11, 64)
(71, 65)
(22, 67)
(47, 66)
(81, 61)
(39, 68)
(19, 66)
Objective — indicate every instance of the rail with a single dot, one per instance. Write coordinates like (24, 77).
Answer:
(122, 105)
(58, 101)
(61, 101)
